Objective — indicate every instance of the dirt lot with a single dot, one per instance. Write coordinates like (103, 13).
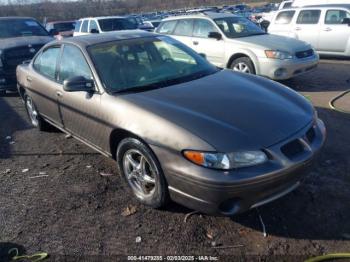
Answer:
(74, 213)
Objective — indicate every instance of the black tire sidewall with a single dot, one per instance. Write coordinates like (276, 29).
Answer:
(160, 196)
(245, 60)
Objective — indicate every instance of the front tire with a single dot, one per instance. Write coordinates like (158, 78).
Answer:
(142, 172)
(34, 117)
(243, 65)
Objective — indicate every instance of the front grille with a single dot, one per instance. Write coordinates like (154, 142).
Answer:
(292, 149)
(304, 54)
(15, 56)
(310, 135)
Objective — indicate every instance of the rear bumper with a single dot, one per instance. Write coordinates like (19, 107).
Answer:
(233, 192)
(284, 69)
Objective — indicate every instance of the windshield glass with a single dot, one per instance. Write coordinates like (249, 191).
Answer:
(147, 63)
(115, 24)
(21, 27)
(234, 27)
(66, 26)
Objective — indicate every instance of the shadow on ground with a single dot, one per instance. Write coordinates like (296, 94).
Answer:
(5, 247)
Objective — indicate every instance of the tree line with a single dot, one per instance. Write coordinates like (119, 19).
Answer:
(66, 10)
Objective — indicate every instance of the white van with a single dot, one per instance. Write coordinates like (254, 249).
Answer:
(325, 27)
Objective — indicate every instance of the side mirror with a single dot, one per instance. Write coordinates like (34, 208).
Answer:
(78, 84)
(53, 32)
(215, 35)
(94, 31)
(346, 21)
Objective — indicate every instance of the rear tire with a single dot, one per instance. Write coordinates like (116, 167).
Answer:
(244, 65)
(142, 172)
(34, 117)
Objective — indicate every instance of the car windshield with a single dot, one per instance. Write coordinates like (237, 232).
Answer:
(115, 24)
(66, 26)
(20, 27)
(147, 63)
(234, 27)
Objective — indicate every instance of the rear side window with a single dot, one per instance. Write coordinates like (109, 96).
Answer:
(84, 27)
(284, 17)
(287, 5)
(184, 27)
(77, 27)
(335, 17)
(73, 63)
(46, 62)
(167, 27)
(309, 17)
(203, 27)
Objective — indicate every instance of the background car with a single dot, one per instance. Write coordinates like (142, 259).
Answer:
(61, 28)
(20, 39)
(103, 24)
(234, 42)
(325, 27)
(178, 127)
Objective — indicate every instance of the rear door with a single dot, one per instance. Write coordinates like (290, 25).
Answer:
(80, 110)
(334, 35)
(43, 83)
(213, 49)
(307, 26)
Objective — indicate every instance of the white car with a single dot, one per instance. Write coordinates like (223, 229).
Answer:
(234, 42)
(325, 27)
(95, 25)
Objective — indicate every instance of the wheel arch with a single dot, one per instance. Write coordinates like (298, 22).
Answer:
(244, 54)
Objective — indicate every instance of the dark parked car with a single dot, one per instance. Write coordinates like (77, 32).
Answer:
(178, 127)
(61, 28)
(20, 39)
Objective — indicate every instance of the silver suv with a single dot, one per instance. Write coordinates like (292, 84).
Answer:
(229, 41)
(326, 28)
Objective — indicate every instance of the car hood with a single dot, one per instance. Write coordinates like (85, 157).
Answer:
(23, 41)
(275, 42)
(230, 111)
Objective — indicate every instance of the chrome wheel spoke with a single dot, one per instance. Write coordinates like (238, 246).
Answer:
(132, 162)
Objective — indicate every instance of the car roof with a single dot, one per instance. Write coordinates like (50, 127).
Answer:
(16, 17)
(102, 17)
(212, 15)
(92, 39)
(347, 6)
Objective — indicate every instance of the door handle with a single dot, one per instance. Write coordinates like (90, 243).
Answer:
(297, 28)
(29, 79)
(327, 29)
(195, 42)
(59, 94)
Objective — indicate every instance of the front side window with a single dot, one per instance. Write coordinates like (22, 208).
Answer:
(167, 28)
(284, 18)
(309, 17)
(84, 27)
(184, 27)
(146, 63)
(335, 17)
(116, 24)
(93, 25)
(20, 28)
(46, 62)
(73, 64)
(234, 27)
(202, 28)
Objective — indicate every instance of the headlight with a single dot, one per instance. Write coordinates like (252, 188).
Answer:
(275, 54)
(226, 161)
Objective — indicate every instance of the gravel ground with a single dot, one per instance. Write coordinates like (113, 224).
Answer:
(53, 198)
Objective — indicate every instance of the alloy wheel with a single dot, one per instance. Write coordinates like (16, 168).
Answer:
(241, 67)
(33, 114)
(139, 173)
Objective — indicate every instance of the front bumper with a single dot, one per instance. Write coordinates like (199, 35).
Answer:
(235, 191)
(284, 69)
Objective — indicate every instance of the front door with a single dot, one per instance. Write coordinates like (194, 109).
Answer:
(307, 27)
